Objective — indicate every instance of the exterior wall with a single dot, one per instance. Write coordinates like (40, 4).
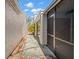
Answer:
(14, 27)
(42, 18)
(43, 30)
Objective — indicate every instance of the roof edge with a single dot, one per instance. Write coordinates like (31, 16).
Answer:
(52, 5)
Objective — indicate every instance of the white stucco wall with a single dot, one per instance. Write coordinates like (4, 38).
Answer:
(42, 18)
(43, 29)
(14, 29)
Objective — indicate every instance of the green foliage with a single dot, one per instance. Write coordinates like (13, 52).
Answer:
(31, 28)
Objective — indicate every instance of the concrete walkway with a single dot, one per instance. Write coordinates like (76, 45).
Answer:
(30, 50)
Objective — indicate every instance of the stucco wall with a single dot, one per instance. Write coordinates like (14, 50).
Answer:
(14, 26)
(43, 29)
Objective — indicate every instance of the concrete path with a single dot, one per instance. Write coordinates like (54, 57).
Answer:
(30, 50)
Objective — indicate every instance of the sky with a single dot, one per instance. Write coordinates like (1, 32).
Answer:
(32, 7)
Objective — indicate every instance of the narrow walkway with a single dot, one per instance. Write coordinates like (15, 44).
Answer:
(30, 50)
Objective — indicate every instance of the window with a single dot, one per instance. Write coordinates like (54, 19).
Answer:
(64, 20)
(51, 29)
